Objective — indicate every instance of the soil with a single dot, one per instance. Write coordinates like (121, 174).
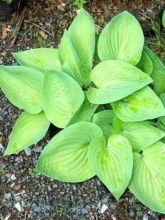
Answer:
(7, 9)
(25, 194)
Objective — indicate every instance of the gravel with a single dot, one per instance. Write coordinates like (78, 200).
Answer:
(27, 195)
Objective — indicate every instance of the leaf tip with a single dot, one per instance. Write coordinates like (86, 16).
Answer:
(8, 152)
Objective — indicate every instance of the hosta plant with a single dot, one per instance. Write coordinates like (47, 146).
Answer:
(111, 110)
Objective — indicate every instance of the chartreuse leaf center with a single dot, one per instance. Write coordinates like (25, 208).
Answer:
(112, 163)
(65, 157)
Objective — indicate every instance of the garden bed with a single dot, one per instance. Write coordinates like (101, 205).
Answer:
(25, 194)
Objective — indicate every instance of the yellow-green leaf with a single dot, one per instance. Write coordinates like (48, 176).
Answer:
(141, 105)
(117, 40)
(114, 80)
(77, 47)
(104, 120)
(62, 97)
(84, 113)
(23, 87)
(42, 59)
(158, 73)
(28, 130)
(112, 164)
(65, 157)
(141, 134)
(148, 179)
(145, 63)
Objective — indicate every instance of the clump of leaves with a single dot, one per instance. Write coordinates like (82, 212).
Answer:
(112, 114)
(79, 3)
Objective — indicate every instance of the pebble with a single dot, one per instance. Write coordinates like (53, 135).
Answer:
(7, 195)
(103, 208)
(145, 217)
(131, 213)
(113, 206)
(55, 186)
(18, 198)
(17, 187)
(18, 207)
(1, 146)
(139, 214)
(84, 211)
(7, 217)
(28, 151)
(113, 217)
(37, 149)
(49, 188)
(13, 177)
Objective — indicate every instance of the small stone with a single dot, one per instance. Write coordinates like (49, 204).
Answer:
(12, 185)
(7, 195)
(113, 206)
(113, 217)
(17, 187)
(37, 149)
(145, 217)
(103, 208)
(28, 151)
(55, 186)
(49, 188)
(7, 217)
(139, 214)
(18, 198)
(13, 177)
(84, 211)
(131, 213)
(18, 207)
(43, 35)
(74, 188)
(1, 146)
(8, 175)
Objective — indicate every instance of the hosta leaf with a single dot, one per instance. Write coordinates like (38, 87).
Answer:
(85, 112)
(104, 120)
(84, 44)
(145, 63)
(117, 40)
(141, 134)
(28, 130)
(162, 97)
(163, 19)
(23, 87)
(141, 105)
(158, 73)
(76, 49)
(161, 123)
(65, 157)
(114, 80)
(69, 58)
(148, 179)
(112, 164)
(62, 97)
(41, 58)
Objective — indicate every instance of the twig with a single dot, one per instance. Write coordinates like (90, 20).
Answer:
(36, 25)
(28, 30)
(17, 28)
